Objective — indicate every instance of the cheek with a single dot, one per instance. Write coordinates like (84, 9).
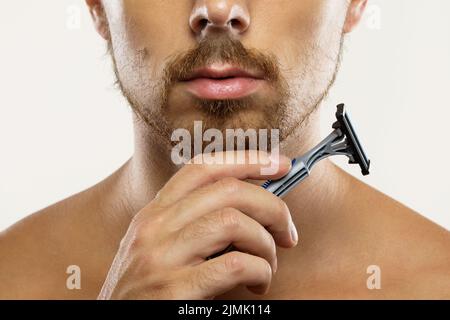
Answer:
(298, 32)
(147, 26)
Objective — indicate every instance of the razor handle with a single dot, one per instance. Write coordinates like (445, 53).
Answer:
(282, 186)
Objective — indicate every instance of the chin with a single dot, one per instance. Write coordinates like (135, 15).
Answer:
(238, 119)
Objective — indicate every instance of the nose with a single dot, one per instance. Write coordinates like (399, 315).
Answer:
(210, 16)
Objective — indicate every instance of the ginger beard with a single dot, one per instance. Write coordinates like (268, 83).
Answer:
(160, 109)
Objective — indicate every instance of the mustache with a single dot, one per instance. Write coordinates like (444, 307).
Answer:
(224, 49)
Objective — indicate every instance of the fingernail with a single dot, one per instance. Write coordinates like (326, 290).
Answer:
(294, 233)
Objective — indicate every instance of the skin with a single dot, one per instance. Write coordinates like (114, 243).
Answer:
(145, 231)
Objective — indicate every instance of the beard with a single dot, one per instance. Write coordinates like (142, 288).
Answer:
(287, 110)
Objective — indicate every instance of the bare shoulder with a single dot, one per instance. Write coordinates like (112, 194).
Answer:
(413, 251)
(37, 252)
(30, 254)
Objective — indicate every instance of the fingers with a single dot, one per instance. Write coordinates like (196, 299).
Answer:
(256, 202)
(214, 232)
(193, 176)
(219, 275)
(204, 208)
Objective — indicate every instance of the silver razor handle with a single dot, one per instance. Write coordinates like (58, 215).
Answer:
(282, 186)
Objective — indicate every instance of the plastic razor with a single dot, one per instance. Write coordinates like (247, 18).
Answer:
(342, 141)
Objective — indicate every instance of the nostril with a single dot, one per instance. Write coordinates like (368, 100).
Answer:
(219, 18)
(236, 24)
(203, 23)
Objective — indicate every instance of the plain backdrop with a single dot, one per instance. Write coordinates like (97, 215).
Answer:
(64, 127)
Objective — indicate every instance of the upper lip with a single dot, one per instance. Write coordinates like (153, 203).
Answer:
(222, 72)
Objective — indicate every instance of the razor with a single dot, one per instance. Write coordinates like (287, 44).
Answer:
(342, 141)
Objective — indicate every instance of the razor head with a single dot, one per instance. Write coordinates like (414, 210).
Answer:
(354, 150)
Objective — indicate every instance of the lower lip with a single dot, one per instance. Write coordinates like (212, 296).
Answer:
(220, 89)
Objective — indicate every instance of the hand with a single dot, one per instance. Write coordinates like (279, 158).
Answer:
(200, 211)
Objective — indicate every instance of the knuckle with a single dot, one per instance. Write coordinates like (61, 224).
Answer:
(151, 224)
(145, 223)
(137, 242)
(234, 263)
(155, 220)
(230, 218)
(138, 237)
(230, 185)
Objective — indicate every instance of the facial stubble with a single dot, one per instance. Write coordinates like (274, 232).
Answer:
(218, 114)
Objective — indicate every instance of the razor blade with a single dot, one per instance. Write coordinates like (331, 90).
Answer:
(342, 141)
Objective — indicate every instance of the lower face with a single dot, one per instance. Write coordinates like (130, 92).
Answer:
(152, 42)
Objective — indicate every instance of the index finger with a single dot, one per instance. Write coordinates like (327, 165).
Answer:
(194, 175)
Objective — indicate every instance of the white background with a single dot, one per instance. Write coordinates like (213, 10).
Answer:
(63, 126)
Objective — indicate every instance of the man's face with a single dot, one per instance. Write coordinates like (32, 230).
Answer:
(232, 64)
